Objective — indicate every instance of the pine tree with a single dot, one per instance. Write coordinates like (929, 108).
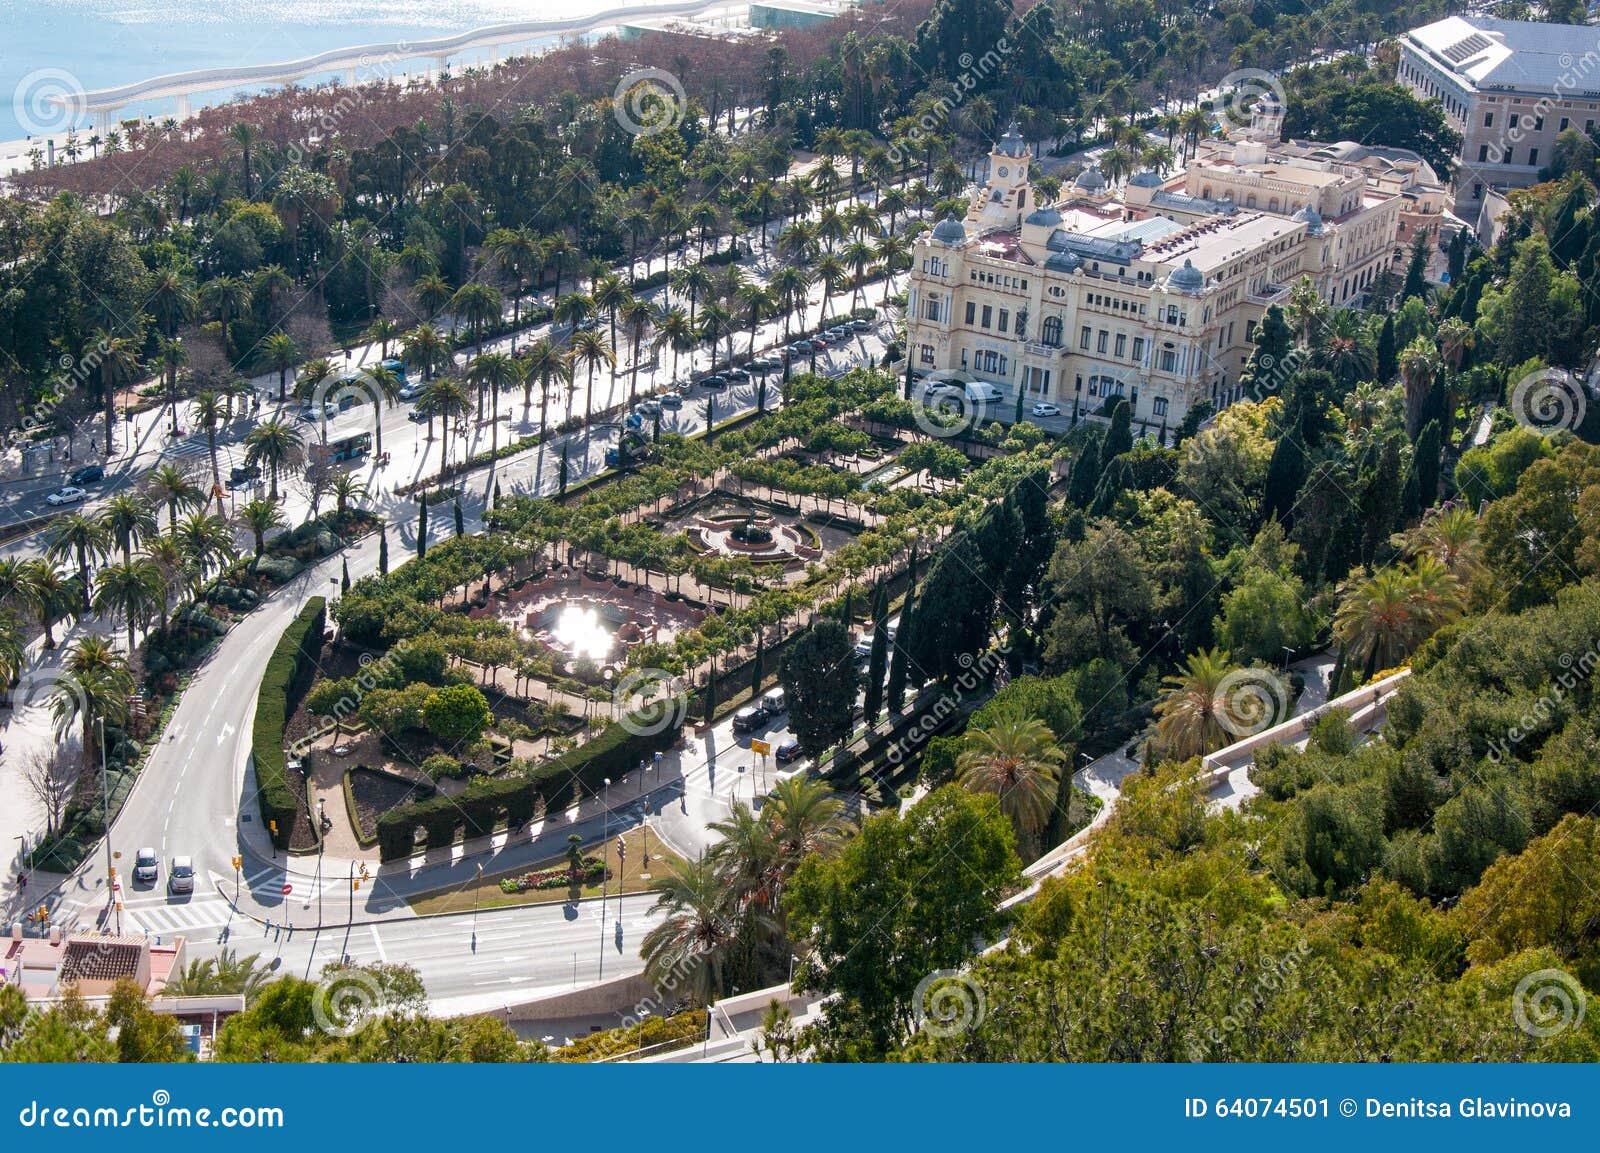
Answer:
(383, 550)
(422, 528)
(1456, 256)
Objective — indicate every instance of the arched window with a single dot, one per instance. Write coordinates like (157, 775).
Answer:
(1051, 333)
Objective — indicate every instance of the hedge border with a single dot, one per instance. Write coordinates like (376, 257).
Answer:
(287, 676)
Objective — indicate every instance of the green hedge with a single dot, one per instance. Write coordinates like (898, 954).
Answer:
(287, 677)
(488, 803)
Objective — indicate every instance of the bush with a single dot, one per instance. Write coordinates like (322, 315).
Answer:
(559, 877)
(278, 569)
(442, 765)
(286, 679)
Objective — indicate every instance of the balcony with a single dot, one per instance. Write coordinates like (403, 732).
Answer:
(1043, 351)
(1271, 294)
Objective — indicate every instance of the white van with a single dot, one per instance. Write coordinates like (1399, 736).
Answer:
(982, 392)
(773, 702)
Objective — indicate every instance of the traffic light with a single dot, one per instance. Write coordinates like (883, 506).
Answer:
(113, 872)
(237, 862)
(42, 915)
(355, 885)
(622, 847)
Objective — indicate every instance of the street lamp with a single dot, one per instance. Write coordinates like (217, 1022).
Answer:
(605, 828)
(476, 891)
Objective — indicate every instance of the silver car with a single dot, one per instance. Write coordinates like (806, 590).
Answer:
(181, 877)
(146, 866)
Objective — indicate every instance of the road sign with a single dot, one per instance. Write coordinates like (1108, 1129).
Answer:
(762, 747)
(287, 888)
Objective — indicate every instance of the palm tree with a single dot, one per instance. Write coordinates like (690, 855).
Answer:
(590, 350)
(225, 974)
(174, 355)
(545, 362)
(747, 856)
(1018, 760)
(260, 516)
(118, 363)
(425, 350)
(12, 652)
(131, 589)
(37, 588)
(95, 688)
(204, 541)
(1191, 712)
(674, 331)
(493, 372)
(275, 445)
(448, 400)
(167, 554)
(383, 330)
(128, 519)
(207, 411)
(78, 537)
(245, 139)
(280, 353)
(1418, 361)
(347, 489)
(691, 947)
(477, 306)
(806, 818)
(171, 486)
(1383, 617)
(637, 315)
(694, 282)
(383, 387)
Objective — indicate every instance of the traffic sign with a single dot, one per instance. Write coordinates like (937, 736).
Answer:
(762, 747)
(287, 888)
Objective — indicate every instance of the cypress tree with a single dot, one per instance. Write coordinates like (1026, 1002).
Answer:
(1416, 283)
(898, 672)
(383, 550)
(460, 523)
(344, 575)
(562, 470)
(422, 528)
(1388, 355)
(711, 691)
(878, 662)
(1085, 476)
(1425, 463)
(1119, 436)
(755, 664)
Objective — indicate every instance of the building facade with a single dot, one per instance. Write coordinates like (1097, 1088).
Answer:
(1076, 304)
(1510, 87)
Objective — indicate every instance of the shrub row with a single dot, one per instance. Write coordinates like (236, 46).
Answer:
(559, 877)
(488, 803)
(287, 677)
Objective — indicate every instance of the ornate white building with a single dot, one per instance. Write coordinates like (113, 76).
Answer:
(1076, 303)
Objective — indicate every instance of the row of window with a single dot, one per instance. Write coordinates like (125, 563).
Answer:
(1491, 154)
(999, 280)
(986, 318)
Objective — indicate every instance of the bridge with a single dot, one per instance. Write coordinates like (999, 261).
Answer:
(369, 62)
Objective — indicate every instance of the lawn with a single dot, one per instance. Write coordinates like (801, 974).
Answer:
(487, 890)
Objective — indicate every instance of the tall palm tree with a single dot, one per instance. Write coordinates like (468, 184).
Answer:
(167, 554)
(547, 363)
(130, 589)
(347, 490)
(806, 817)
(277, 446)
(691, 947)
(383, 388)
(637, 315)
(128, 519)
(674, 331)
(1383, 617)
(261, 516)
(494, 373)
(171, 486)
(424, 349)
(477, 306)
(118, 364)
(280, 353)
(748, 857)
(95, 687)
(78, 538)
(590, 351)
(205, 541)
(174, 354)
(1418, 362)
(207, 411)
(1191, 711)
(384, 331)
(447, 400)
(1018, 760)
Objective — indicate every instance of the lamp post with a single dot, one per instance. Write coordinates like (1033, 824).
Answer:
(476, 890)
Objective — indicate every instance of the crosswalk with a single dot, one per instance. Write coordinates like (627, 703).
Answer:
(178, 916)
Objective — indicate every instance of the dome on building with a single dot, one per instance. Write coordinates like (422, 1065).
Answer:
(1090, 180)
(949, 231)
(1046, 216)
(1187, 279)
(1012, 143)
(1063, 262)
(1312, 219)
(1146, 179)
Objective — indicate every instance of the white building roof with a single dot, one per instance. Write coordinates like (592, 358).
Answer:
(1513, 55)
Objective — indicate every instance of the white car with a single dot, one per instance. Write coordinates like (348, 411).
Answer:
(180, 878)
(1045, 409)
(70, 494)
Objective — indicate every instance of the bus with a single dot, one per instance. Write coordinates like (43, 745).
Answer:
(350, 447)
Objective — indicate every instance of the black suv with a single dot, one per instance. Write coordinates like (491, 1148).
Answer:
(87, 474)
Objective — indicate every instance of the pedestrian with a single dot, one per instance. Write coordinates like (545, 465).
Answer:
(22, 880)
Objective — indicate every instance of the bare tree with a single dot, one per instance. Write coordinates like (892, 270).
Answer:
(50, 778)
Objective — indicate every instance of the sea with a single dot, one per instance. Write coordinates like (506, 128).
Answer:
(54, 46)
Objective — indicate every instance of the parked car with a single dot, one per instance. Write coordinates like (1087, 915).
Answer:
(671, 400)
(748, 718)
(410, 391)
(87, 474)
(416, 416)
(68, 494)
(788, 751)
(716, 382)
(647, 407)
(180, 878)
(863, 648)
(862, 324)
(738, 375)
(243, 475)
(802, 348)
(1044, 408)
(146, 866)
(774, 702)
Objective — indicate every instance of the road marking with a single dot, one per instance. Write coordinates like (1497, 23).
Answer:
(377, 943)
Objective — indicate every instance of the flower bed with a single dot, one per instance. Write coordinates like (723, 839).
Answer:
(559, 878)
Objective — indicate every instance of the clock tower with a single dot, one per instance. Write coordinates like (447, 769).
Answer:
(1005, 200)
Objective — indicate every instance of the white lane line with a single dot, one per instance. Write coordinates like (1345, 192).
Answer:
(377, 943)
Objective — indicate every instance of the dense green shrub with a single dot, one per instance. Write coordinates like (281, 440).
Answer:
(286, 679)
